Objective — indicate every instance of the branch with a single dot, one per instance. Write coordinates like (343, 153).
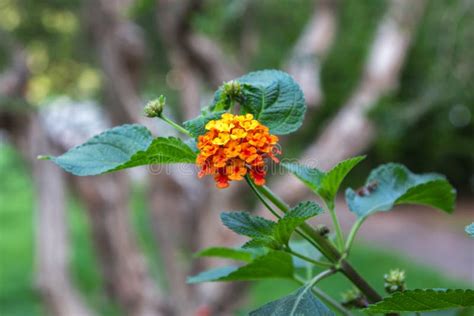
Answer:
(311, 49)
(52, 242)
(184, 45)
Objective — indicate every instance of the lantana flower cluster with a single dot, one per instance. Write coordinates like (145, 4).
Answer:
(234, 146)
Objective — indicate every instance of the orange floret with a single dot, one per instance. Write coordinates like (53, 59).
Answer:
(234, 146)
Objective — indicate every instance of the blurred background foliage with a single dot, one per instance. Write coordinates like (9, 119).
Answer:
(426, 124)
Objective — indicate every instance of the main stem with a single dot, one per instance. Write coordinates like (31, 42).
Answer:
(328, 249)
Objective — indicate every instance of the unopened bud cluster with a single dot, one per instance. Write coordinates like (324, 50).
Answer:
(155, 108)
(394, 281)
(354, 299)
(232, 89)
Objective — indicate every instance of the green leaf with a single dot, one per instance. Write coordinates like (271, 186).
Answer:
(324, 184)
(245, 224)
(300, 303)
(163, 150)
(227, 253)
(275, 264)
(123, 147)
(423, 301)
(470, 229)
(260, 242)
(275, 99)
(216, 274)
(197, 125)
(392, 184)
(294, 218)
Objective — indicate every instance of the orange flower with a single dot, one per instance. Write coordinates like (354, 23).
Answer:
(234, 146)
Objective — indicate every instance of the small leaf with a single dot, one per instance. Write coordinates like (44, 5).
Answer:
(470, 229)
(197, 125)
(333, 178)
(275, 99)
(392, 184)
(260, 242)
(227, 253)
(423, 301)
(324, 184)
(123, 147)
(294, 218)
(245, 224)
(300, 303)
(275, 264)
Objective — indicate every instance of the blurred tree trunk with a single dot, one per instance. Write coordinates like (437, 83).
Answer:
(350, 132)
(120, 49)
(311, 48)
(52, 242)
(194, 222)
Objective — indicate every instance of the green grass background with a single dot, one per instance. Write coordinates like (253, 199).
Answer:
(17, 244)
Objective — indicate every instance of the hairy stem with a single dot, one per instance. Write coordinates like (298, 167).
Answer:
(175, 125)
(352, 234)
(328, 249)
(317, 263)
(337, 225)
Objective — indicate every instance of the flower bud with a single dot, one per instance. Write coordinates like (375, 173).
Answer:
(232, 89)
(394, 281)
(354, 299)
(154, 108)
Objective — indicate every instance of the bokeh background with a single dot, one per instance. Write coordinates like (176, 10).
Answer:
(393, 79)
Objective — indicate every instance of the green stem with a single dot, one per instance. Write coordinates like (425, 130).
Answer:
(317, 263)
(337, 225)
(350, 239)
(324, 245)
(260, 196)
(320, 276)
(176, 126)
(265, 203)
(328, 249)
(325, 297)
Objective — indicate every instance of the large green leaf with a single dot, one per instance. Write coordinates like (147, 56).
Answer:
(393, 184)
(275, 99)
(123, 147)
(423, 301)
(275, 264)
(293, 218)
(300, 303)
(197, 125)
(163, 150)
(245, 224)
(227, 253)
(470, 229)
(324, 184)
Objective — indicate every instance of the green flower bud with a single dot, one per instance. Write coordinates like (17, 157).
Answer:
(154, 108)
(354, 299)
(395, 281)
(232, 89)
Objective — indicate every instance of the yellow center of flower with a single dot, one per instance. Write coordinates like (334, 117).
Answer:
(233, 146)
